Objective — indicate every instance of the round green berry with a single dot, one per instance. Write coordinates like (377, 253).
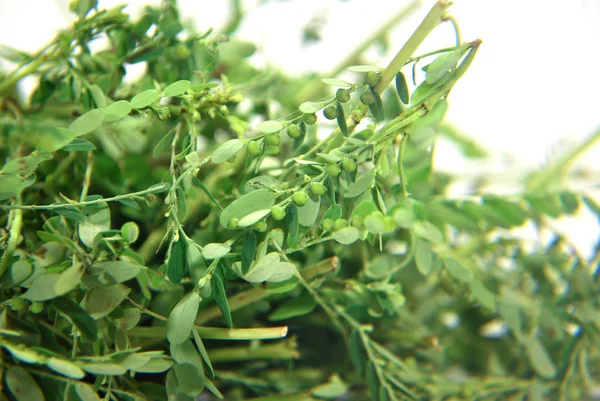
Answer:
(274, 139)
(254, 148)
(309, 118)
(260, 226)
(293, 131)
(357, 221)
(328, 224)
(36, 307)
(233, 223)
(348, 165)
(367, 98)
(277, 212)
(372, 78)
(300, 198)
(318, 188)
(17, 303)
(332, 170)
(342, 95)
(330, 112)
(182, 52)
(340, 223)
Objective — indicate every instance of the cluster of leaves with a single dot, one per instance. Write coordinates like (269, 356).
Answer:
(137, 213)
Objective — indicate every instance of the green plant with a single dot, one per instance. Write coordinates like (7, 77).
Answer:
(147, 223)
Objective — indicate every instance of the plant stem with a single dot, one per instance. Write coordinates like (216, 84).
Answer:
(216, 333)
(16, 223)
(432, 20)
(282, 350)
(154, 189)
(401, 171)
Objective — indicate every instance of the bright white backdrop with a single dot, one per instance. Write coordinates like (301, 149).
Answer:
(532, 91)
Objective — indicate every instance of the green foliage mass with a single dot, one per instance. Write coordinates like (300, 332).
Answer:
(146, 223)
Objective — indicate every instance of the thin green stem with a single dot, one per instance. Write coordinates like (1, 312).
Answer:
(454, 22)
(15, 223)
(281, 350)
(401, 172)
(431, 21)
(152, 190)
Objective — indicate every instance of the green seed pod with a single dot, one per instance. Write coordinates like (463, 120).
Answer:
(372, 78)
(293, 131)
(342, 95)
(348, 165)
(260, 226)
(17, 303)
(318, 188)
(36, 307)
(233, 223)
(367, 98)
(278, 213)
(340, 223)
(272, 150)
(328, 225)
(330, 112)
(254, 148)
(309, 118)
(332, 170)
(274, 139)
(300, 198)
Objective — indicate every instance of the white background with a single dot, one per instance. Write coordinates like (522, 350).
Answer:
(531, 93)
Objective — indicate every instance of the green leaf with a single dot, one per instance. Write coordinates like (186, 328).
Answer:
(484, 296)
(333, 389)
(423, 256)
(334, 212)
(384, 394)
(374, 223)
(79, 145)
(154, 365)
(428, 231)
(177, 260)
(458, 270)
(130, 203)
(130, 232)
(363, 183)
(539, 358)
(220, 295)
(372, 381)
(199, 183)
(310, 107)
(511, 214)
(104, 368)
(181, 319)
(65, 368)
(17, 273)
(190, 379)
(307, 214)
(97, 219)
(341, 120)
(247, 204)
(298, 306)
(336, 82)
(213, 389)
(12, 185)
(376, 108)
(87, 122)
(291, 220)
(117, 111)
(117, 271)
(442, 65)
(402, 88)
(86, 325)
(346, 235)
(215, 251)
(24, 354)
(49, 286)
(270, 127)
(145, 99)
(358, 354)
(22, 385)
(203, 353)
(164, 145)
(253, 217)
(177, 88)
(248, 250)
(263, 268)
(226, 150)
(100, 301)
(85, 392)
